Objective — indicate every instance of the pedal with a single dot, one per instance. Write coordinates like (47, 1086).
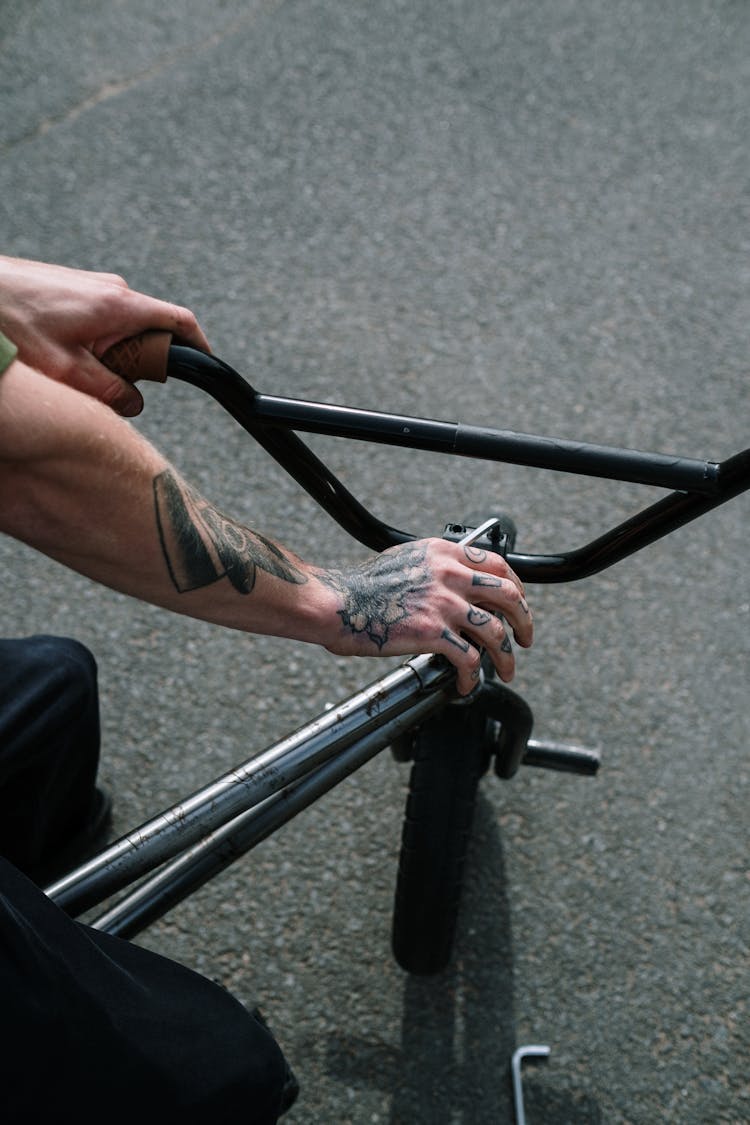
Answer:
(562, 756)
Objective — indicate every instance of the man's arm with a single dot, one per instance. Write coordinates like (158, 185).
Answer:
(81, 485)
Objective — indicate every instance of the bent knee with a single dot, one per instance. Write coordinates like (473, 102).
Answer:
(63, 668)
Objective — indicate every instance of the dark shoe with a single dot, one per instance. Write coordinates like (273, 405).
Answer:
(79, 847)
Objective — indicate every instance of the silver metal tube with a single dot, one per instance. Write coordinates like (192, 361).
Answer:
(205, 859)
(180, 826)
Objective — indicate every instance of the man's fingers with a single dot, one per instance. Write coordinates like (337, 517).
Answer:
(491, 563)
(189, 331)
(129, 313)
(496, 586)
(500, 650)
(172, 318)
(504, 596)
(465, 657)
(464, 649)
(123, 397)
(495, 608)
(87, 374)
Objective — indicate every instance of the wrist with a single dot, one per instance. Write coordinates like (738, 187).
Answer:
(318, 612)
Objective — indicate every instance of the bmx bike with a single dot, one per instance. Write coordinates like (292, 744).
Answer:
(450, 741)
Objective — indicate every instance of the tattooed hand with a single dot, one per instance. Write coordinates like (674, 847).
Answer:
(432, 596)
(425, 596)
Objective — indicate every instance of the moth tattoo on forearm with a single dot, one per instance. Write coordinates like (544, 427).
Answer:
(200, 545)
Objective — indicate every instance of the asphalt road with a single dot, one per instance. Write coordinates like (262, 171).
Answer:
(535, 216)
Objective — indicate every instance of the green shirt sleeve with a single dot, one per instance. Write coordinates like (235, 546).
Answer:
(8, 352)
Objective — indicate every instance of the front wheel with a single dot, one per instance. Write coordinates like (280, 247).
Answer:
(450, 757)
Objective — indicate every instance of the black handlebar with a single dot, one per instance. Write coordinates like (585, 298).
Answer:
(698, 486)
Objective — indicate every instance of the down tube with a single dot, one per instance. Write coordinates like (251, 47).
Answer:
(247, 785)
(210, 856)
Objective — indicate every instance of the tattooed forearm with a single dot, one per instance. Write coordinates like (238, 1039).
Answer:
(201, 545)
(380, 593)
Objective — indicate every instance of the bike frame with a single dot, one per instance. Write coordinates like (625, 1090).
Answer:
(179, 850)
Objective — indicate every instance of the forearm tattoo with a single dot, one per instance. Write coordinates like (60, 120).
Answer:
(201, 545)
(380, 593)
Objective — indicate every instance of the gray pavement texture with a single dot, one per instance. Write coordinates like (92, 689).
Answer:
(531, 215)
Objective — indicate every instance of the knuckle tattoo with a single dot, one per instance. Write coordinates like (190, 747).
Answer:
(478, 617)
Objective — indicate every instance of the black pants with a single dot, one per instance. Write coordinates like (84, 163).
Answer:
(49, 745)
(92, 1027)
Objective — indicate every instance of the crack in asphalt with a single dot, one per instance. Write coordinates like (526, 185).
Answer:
(114, 89)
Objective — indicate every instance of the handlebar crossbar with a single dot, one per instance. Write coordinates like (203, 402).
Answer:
(488, 444)
(698, 486)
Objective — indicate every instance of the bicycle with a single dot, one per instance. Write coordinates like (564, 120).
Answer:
(413, 709)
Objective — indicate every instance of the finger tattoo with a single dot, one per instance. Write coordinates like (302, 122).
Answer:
(475, 554)
(478, 616)
(455, 639)
(482, 579)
